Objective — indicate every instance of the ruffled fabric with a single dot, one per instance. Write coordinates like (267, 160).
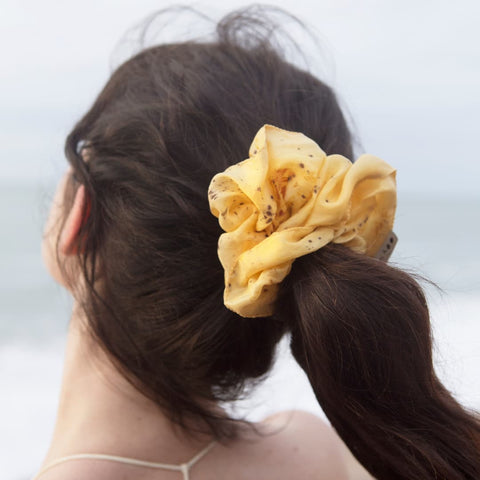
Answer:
(289, 199)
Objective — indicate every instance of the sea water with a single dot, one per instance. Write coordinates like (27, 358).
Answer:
(438, 238)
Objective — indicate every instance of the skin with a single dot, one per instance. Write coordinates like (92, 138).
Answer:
(100, 412)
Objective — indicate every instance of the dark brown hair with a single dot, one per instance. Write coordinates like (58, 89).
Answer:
(168, 120)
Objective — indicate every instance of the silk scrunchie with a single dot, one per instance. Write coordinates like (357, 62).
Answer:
(290, 199)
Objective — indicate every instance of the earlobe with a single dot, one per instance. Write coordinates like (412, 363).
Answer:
(68, 238)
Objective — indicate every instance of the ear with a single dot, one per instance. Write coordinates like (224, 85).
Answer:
(67, 244)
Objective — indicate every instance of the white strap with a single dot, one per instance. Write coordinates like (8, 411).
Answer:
(200, 455)
(185, 471)
(184, 467)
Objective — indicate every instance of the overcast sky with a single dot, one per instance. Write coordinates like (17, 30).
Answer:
(408, 72)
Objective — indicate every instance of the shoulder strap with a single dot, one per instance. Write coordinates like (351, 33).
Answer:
(187, 466)
(201, 454)
(184, 467)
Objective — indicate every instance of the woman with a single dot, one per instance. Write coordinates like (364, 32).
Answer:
(165, 329)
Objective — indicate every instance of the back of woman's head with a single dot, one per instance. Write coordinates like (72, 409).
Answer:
(167, 121)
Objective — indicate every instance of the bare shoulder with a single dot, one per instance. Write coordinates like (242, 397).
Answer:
(313, 446)
(306, 446)
(291, 444)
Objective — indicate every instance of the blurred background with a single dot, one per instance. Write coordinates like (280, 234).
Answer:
(408, 75)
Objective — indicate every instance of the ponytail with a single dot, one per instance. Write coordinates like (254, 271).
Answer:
(360, 329)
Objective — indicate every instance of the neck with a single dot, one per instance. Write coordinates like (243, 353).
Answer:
(101, 412)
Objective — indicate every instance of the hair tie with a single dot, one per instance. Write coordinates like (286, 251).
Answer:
(289, 199)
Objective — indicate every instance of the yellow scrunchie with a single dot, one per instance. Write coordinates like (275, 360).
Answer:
(289, 199)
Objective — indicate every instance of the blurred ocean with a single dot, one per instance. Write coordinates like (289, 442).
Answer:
(438, 238)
